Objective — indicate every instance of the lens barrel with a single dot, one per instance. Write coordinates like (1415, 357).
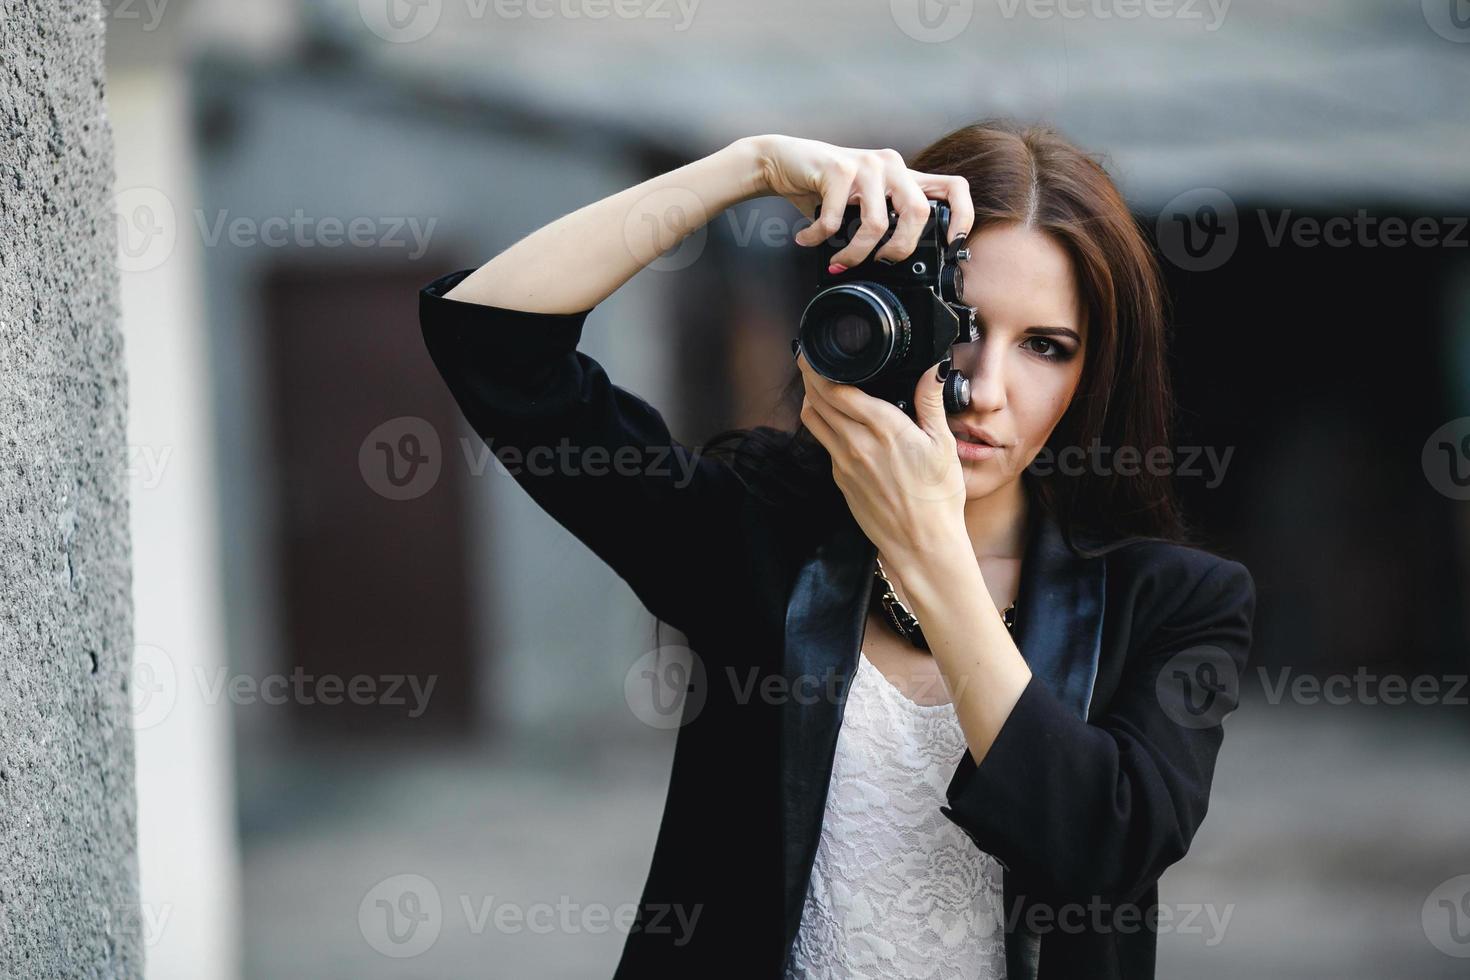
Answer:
(852, 331)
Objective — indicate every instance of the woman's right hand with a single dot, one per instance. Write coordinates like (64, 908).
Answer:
(807, 172)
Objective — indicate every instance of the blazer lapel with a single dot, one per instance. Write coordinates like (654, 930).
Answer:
(1059, 615)
(1059, 609)
(825, 617)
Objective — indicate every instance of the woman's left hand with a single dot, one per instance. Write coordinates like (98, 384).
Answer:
(902, 480)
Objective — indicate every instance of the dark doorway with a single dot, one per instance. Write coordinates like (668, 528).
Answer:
(1324, 363)
(371, 558)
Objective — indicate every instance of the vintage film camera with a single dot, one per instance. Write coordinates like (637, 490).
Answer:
(881, 326)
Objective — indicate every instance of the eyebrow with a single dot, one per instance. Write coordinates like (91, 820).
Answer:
(1039, 330)
(1055, 332)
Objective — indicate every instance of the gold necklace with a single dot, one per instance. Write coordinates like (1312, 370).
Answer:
(904, 622)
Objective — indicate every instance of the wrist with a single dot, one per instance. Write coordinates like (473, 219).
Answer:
(931, 570)
(747, 159)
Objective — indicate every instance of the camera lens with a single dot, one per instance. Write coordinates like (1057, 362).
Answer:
(851, 334)
(852, 331)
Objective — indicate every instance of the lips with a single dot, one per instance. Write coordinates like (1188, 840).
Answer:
(975, 437)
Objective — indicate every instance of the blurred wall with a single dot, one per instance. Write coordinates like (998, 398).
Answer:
(326, 142)
(186, 832)
(68, 877)
(182, 709)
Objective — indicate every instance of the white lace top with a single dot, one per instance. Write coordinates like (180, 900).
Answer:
(897, 891)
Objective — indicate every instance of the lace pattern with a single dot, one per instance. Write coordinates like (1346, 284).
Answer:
(897, 891)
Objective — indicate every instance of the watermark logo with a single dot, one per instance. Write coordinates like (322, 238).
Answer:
(401, 916)
(401, 459)
(1446, 917)
(1450, 19)
(666, 230)
(147, 228)
(401, 21)
(927, 473)
(153, 688)
(1198, 687)
(932, 21)
(666, 687)
(1446, 459)
(1199, 230)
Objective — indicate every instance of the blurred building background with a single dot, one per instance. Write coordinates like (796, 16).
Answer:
(309, 506)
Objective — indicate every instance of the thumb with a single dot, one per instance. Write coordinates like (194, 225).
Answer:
(929, 400)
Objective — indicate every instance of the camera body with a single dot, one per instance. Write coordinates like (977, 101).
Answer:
(881, 326)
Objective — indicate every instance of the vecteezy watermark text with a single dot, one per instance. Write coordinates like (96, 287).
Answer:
(1200, 229)
(306, 231)
(1100, 460)
(148, 226)
(403, 916)
(147, 14)
(402, 459)
(406, 21)
(1364, 686)
(155, 687)
(1210, 12)
(567, 459)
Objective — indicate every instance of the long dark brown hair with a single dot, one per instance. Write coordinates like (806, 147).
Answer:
(1031, 175)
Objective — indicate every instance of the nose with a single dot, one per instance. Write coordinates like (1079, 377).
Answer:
(983, 365)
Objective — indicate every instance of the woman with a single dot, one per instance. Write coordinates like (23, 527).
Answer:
(888, 777)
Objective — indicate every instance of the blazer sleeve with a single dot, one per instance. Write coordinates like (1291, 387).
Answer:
(595, 457)
(1099, 809)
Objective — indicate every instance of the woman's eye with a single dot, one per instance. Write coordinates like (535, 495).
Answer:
(1051, 350)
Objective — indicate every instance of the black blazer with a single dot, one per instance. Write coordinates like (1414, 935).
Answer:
(1096, 783)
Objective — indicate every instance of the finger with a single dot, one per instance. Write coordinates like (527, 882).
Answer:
(813, 382)
(816, 387)
(849, 400)
(852, 438)
(836, 189)
(812, 419)
(913, 213)
(874, 413)
(955, 190)
(870, 188)
(929, 405)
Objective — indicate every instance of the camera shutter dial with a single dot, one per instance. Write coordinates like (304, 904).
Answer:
(956, 392)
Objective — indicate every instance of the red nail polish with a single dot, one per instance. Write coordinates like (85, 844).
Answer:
(835, 268)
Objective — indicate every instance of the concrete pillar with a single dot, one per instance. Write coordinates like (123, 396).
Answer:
(68, 854)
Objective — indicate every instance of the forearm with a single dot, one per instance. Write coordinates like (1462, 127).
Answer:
(1100, 806)
(982, 667)
(580, 259)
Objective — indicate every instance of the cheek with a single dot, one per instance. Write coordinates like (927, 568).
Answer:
(1040, 404)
